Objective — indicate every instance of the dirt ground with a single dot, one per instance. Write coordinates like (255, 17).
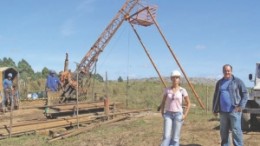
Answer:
(21, 115)
(199, 129)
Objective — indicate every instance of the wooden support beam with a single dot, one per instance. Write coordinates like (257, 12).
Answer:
(78, 131)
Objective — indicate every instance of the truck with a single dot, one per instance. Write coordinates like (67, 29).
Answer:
(251, 113)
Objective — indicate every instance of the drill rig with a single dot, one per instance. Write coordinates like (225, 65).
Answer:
(85, 68)
(135, 12)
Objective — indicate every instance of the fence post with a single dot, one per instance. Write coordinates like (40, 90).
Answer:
(106, 105)
(207, 99)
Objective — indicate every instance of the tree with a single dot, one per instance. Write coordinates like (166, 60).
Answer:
(7, 62)
(25, 69)
(98, 77)
(120, 79)
(45, 72)
(38, 75)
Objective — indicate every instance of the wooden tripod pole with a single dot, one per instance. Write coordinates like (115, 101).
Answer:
(175, 58)
(147, 53)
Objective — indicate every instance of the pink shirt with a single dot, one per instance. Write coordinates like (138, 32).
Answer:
(173, 101)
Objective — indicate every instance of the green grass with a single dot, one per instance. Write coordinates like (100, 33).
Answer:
(147, 94)
(145, 130)
(140, 131)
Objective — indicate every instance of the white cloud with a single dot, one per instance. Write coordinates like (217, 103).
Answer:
(86, 6)
(145, 66)
(200, 47)
(68, 29)
(15, 50)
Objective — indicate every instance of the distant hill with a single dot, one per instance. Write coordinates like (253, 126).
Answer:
(193, 80)
(201, 80)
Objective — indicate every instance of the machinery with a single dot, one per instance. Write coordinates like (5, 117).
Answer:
(136, 12)
(132, 11)
(76, 84)
(252, 110)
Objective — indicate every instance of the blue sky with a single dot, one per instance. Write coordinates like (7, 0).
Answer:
(204, 34)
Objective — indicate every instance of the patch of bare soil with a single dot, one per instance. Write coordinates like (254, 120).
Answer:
(146, 129)
(21, 115)
(198, 130)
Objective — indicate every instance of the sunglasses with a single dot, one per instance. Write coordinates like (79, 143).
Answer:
(173, 96)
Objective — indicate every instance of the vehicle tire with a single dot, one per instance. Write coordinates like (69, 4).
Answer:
(245, 121)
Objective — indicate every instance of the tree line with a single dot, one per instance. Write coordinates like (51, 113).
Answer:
(26, 72)
(28, 75)
(24, 68)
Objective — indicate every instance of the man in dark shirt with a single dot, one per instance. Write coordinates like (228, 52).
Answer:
(8, 88)
(53, 82)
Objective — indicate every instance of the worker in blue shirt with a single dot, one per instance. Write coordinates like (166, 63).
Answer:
(53, 82)
(230, 98)
(8, 88)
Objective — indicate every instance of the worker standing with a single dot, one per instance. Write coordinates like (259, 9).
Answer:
(53, 82)
(1, 96)
(52, 87)
(8, 88)
(230, 98)
(172, 110)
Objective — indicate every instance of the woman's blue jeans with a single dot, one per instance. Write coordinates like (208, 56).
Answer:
(172, 128)
(231, 121)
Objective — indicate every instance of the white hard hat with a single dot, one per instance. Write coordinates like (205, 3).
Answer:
(10, 75)
(175, 73)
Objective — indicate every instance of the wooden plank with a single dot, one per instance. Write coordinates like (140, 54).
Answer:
(66, 122)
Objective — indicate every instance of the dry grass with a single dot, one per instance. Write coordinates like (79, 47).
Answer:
(198, 130)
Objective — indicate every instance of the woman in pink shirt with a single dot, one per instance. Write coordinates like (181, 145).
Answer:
(172, 110)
